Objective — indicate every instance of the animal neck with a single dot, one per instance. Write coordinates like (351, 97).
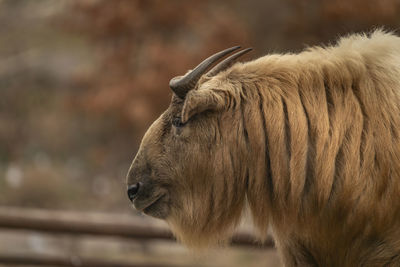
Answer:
(277, 159)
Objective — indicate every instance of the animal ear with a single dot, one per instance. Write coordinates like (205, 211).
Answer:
(198, 101)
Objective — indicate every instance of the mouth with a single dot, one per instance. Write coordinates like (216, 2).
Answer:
(150, 208)
(145, 207)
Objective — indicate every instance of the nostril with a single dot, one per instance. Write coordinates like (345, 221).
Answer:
(132, 191)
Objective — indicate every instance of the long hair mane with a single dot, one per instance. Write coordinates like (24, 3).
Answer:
(321, 130)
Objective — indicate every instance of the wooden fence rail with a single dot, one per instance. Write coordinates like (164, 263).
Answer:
(56, 222)
(69, 261)
(73, 223)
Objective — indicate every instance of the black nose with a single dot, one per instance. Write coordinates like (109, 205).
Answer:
(133, 190)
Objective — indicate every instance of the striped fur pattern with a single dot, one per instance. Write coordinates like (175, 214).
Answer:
(310, 141)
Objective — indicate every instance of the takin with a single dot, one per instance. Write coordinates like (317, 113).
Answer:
(308, 142)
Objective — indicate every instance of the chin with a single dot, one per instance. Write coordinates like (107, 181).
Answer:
(159, 209)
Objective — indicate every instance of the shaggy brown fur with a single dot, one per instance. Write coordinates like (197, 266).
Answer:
(311, 141)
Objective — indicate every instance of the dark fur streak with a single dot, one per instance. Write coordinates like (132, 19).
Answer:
(287, 130)
(308, 178)
(237, 187)
(247, 179)
(234, 180)
(329, 104)
(337, 172)
(210, 209)
(356, 93)
(287, 142)
(245, 133)
(225, 198)
(269, 179)
(218, 132)
(307, 255)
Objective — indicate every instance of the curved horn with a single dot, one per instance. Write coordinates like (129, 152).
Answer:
(182, 84)
(226, 63)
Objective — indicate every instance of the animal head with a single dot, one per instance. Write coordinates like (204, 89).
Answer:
(186, 170)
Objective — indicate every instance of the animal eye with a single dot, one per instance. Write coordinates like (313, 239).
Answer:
(177, 122)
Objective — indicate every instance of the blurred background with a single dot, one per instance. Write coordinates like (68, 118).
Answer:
(81, 81)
